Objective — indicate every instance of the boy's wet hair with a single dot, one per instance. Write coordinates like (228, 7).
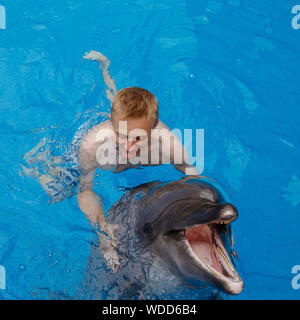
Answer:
(134, 102)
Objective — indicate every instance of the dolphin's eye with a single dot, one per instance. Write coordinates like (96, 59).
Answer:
(147, 228)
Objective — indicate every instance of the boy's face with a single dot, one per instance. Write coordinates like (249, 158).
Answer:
(132, 134)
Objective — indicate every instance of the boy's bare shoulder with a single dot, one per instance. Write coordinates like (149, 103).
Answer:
(161, 125)
(90, 142)
(91, 138)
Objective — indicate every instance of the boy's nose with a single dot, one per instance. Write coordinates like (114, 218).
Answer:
(130, 144)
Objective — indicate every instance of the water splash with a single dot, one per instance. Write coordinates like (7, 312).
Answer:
(58, 173)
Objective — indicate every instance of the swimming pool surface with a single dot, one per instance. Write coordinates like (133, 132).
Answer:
(230, 67)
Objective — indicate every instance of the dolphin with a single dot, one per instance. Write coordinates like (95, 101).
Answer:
(174, 243)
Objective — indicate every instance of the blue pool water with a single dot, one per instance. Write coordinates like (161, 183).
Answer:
(227, 66)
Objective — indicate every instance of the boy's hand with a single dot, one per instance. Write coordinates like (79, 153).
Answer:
(95, 55)
(108, 245)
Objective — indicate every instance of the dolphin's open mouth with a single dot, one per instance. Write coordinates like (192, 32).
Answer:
(204, 246)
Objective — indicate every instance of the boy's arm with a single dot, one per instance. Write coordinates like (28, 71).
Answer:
(179, 156)
(177, 149)
(89, 202)
(103, 65)
(92, 205)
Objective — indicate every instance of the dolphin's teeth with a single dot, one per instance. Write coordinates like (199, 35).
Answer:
(225, 259)
(222, 221)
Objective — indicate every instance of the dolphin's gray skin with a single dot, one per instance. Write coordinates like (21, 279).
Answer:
(174, 243)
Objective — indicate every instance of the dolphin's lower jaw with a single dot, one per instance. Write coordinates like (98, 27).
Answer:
(209, 261)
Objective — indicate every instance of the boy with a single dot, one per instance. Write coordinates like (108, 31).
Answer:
(131, 137)
(138, 108)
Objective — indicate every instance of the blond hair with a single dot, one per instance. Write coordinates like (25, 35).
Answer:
(134, 103)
